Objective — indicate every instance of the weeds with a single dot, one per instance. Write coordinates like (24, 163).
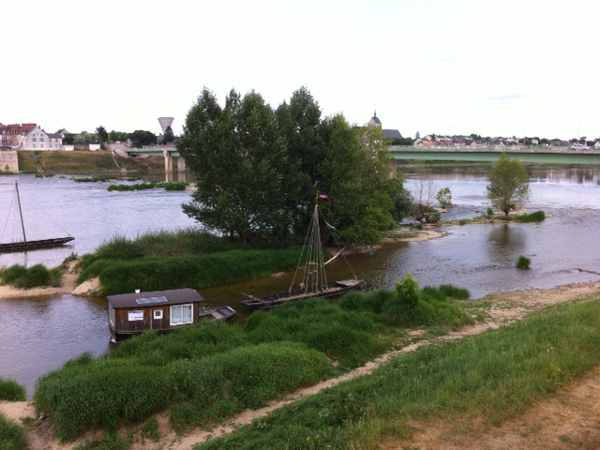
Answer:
(495, 375)
(11, 390)
(12, 436)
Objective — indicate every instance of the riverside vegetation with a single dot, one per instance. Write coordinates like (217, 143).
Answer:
(12, 436)
(210, 371)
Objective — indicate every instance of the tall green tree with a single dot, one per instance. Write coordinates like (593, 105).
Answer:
(509, 185)
(240, 160)
(258, 170)
(102, 136)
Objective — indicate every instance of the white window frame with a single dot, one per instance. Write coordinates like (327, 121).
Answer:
(177, 314)
(157, 314)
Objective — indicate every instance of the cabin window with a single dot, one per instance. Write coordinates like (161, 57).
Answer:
(158, 313)
(135, 315)
(181, 314)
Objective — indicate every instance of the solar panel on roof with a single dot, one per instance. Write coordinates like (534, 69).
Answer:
(144, 300)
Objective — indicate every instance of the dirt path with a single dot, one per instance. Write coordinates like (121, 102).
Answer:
(570, 417)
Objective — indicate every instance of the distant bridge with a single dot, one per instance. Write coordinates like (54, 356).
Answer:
(168, 152)
(539, 154)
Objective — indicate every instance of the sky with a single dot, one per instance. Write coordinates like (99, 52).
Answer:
(489, 67)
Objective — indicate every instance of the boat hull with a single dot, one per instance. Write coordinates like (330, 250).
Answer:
(34, 245)
(332, 289)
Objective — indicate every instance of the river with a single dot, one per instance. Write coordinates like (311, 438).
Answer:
(39, 334)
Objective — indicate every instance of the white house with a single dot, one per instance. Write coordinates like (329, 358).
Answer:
(38, 139)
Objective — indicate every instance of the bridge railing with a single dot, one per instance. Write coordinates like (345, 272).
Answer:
(490, 148)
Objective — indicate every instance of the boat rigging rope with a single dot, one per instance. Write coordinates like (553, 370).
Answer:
(10, 208)
(48, 215)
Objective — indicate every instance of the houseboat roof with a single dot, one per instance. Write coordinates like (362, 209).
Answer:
(141, 299)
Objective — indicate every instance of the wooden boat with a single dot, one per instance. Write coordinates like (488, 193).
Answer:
(313, 281)
(218, 313)
(25, 245)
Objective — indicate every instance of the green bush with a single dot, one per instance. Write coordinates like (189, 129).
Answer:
(407, 290)
(37, 275)
(11, 390)
(537, 216)
(523, 262)
(12, 436)
(13, 273)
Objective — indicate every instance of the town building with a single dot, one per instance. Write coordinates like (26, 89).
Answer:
(29, 136)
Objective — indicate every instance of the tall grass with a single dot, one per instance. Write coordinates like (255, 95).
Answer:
(201, 375)
(37, 275)
(198, 271)
(349, 337)
(11, 390)
(495, 376)
(12, 436)
(407, 305)
(537, 216)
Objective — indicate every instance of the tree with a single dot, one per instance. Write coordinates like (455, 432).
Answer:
(82, 138)
(444, 197)
(509, 185)
(168, 137)
(118, 136)
(142, 138)
(102, 136)
(258, 169)
(240, 160)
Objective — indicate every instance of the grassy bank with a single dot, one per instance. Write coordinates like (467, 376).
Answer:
(186, 258)
(74, 162)
(495, 376)
(208, 372)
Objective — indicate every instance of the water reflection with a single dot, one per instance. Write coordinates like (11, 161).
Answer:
(506, 243)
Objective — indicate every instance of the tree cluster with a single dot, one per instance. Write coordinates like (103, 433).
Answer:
(258, 169)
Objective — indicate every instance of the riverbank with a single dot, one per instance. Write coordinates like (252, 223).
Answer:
(496, 310)
(69, 286)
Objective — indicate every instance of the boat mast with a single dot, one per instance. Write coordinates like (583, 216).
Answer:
(20, 211)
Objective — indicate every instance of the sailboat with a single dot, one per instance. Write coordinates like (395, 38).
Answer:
(25, 245)
(313, 280)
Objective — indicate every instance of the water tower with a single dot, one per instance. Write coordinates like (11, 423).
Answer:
(165, 122)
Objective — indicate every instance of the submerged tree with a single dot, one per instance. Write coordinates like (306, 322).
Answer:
(509, 185)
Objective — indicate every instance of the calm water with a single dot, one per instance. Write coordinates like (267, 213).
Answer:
(38, 335)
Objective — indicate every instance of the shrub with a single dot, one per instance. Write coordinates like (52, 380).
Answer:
(13, 273)
(454, 292)
(11, 390)
(12, 436)
(523, 262)
(36, 275)
(537, 216)
(489, 212)
(444, 197)
(407, 290)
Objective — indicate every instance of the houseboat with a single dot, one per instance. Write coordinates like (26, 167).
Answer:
(161, 311)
